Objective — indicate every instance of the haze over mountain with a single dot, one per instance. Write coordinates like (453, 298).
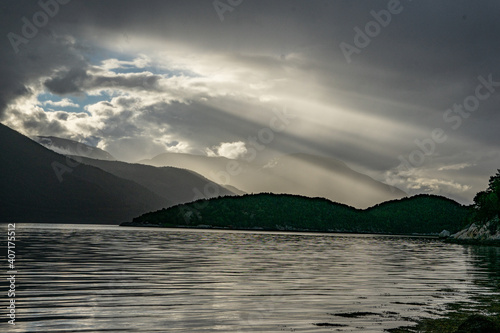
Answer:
(71, 147)
(300, 174)
(174, 184)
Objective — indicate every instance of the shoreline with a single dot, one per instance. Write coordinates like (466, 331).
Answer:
(448, 240)
(477, 242)
(149, 225)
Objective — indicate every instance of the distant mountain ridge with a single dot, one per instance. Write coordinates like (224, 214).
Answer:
(300, 174)
(32, 191)
(71, 147)
(174, 184)
(40, 185)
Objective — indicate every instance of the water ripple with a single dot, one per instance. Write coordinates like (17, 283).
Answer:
(115, 279)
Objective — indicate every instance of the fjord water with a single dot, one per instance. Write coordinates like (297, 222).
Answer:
(113, 279)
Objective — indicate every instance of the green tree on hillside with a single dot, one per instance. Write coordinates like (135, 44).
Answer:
(487, 203)
(422, 214)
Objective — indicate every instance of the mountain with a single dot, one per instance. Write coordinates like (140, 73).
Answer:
(70, 147)
(421, 214)
(299, 174)
(174, 184)
(203, 165)
(39, 185)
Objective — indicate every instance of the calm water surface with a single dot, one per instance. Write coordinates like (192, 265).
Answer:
(116, 279)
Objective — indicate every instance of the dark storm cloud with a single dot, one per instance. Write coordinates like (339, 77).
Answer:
(78, 80)
(426, 45)
(70, 82)
(43, 53)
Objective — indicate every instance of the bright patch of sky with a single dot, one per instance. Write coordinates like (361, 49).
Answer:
(51, 102)
(121, 63)
(117, 63)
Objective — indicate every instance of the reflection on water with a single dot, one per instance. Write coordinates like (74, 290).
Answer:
(487, 260)
(115, 279)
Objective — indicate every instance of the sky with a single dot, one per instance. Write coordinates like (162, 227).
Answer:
(407, 92)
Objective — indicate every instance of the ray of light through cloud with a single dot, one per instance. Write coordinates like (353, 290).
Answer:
(184, 81)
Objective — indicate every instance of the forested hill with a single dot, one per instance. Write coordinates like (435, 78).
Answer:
(422, 214)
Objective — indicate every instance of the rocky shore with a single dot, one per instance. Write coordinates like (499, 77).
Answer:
(480, 234)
